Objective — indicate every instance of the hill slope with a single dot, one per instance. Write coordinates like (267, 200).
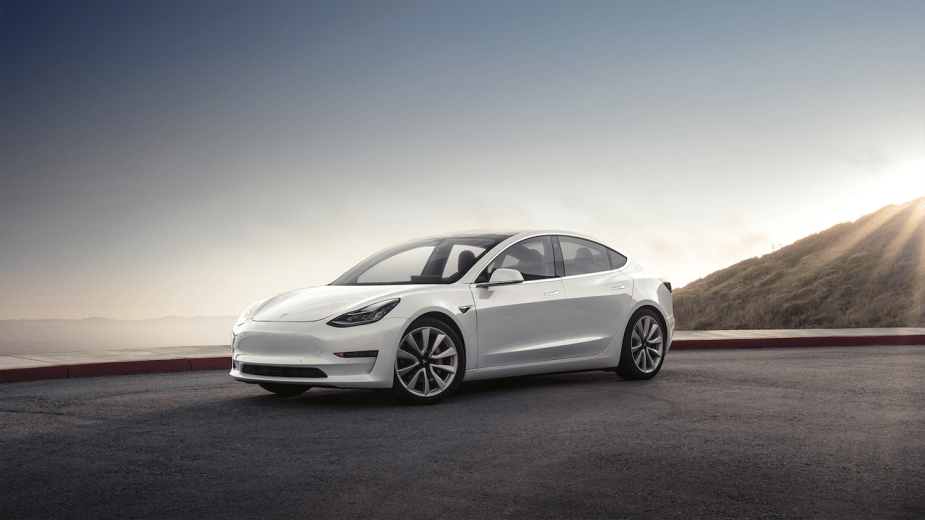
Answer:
(866, 273)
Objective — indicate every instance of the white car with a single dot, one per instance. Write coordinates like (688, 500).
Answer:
(422, 316)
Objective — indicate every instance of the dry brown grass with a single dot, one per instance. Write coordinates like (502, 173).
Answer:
(866, 273)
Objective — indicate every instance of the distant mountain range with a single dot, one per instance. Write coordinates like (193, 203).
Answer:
(46, 336)
(866, 273)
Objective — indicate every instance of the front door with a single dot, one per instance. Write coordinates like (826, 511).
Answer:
(525, 322)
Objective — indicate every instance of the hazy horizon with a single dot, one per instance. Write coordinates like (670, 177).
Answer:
(235, 315)
(185, 159)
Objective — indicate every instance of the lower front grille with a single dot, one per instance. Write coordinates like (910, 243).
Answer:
(264, 370)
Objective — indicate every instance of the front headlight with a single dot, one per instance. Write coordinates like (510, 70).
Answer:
(369, 314)
(250, 311)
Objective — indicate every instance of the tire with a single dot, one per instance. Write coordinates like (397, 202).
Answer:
(429, 363)
(643, 349)
(284, 390)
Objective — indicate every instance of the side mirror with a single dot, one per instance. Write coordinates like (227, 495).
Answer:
(502, 276)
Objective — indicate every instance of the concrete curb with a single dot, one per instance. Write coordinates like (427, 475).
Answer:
(114, 368)
(192, 364)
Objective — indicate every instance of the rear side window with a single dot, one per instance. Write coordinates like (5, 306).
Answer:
(616, 259)
(583, 256)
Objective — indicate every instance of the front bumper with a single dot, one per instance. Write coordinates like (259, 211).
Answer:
(311, 345)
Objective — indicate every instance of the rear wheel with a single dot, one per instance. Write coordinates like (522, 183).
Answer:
(284, 390)
(643, 346)
(429, 364)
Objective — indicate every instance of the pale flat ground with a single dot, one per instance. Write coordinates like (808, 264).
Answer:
(40, 359)
(15, 358)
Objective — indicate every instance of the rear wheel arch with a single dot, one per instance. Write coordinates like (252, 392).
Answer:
(658, 314)
(662, 320)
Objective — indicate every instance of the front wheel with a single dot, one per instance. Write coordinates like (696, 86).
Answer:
(284, 390)
(643, 347)
(429, 364)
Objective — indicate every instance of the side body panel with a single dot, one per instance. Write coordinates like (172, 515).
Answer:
(597, 305)
(522, 323)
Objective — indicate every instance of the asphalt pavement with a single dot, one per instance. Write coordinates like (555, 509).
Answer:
(763, 433)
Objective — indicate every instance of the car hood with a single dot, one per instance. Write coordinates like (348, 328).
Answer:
(318, 303)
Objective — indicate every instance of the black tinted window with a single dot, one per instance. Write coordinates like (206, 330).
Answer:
(616, 259)
(434, 260)
(532, 257)
(583, 256)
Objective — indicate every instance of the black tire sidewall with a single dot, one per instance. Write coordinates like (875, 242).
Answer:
(398, 389)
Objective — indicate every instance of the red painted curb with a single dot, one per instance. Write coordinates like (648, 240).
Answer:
(18, 375)
(818, 341)
(15, 375)
(210, 363)
(116, 368)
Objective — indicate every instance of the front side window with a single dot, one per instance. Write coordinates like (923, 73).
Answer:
(532, 257)
(583, 256)
(436, 260)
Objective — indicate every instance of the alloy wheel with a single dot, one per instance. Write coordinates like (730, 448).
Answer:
(427, 361)
(646, 344)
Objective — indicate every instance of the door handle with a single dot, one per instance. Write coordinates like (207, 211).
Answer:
(620, 287)
(551, 293)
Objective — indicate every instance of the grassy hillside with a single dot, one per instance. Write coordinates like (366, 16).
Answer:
(866, 273)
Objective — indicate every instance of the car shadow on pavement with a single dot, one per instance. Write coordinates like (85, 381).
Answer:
(346, 398)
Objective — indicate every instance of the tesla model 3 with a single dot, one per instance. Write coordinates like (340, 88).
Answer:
(420, 317)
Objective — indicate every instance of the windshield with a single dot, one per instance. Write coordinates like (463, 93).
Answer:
(434, 260)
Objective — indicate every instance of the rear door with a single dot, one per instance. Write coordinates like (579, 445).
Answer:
(598, 294)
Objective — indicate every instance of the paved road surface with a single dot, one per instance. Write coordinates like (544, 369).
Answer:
(782, 433)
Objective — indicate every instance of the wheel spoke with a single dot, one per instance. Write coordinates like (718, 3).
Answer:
(637, 358)
(655, 334)
(405, 355)
(440, 382)
(426, 382)
(436, 344)
(654, 355)
(446, 353)
(410, 340)
(414, 380)
(403, 371)
(449, 368)
(425, 340)
(639, 331)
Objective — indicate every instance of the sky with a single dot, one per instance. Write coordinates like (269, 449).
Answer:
(188, 158)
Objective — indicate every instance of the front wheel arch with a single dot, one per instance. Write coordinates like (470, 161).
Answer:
(445, 318)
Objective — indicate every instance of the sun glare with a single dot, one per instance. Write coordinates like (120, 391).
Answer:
(901, 184)
(905, 183)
